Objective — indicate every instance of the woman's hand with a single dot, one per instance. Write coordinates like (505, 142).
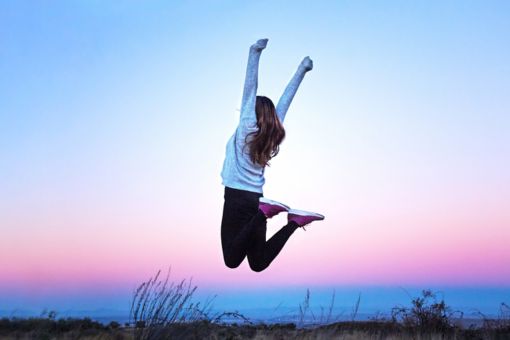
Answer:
(259, 45)
(307, 64)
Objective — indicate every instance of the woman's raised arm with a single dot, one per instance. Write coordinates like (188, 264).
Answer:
(283, 104)
(251, 82)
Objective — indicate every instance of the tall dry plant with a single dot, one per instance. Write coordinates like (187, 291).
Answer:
(159, 303)
(325, 317)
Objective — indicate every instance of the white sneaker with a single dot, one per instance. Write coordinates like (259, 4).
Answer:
(302, 218)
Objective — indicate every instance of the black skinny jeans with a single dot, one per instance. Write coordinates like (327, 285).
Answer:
(243, 231)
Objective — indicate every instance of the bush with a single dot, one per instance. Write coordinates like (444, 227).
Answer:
(426, 314)
(113, 325)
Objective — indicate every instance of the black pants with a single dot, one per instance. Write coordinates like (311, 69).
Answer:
(243, 231)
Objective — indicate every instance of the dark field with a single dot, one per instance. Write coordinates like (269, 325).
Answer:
(43, 328)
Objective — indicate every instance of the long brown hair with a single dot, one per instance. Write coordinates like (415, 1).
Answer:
(265, 143)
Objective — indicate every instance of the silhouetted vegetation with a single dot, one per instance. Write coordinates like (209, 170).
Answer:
(158, 303)
(49, 327)
(425, 314)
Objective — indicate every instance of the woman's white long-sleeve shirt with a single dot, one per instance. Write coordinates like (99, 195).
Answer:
(239, 172)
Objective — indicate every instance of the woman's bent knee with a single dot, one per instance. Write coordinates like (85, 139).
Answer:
(232, 262)
(257, 266)
(232, 265)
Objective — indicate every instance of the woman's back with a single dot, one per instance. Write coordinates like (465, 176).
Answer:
(239, 171)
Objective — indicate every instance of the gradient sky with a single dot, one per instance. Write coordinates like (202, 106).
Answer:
(114, 117)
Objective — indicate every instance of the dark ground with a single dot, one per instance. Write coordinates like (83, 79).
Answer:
(87, 329)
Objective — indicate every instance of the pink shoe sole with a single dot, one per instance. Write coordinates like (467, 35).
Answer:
(271, 208)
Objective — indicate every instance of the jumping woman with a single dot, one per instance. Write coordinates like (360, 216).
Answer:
(255, 141)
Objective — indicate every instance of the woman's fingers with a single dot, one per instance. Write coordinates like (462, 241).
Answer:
(307, 63)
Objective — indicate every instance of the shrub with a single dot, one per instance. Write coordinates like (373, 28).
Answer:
(113, 325)
(426, 313)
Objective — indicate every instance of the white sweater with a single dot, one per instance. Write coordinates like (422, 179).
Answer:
(239, 172)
